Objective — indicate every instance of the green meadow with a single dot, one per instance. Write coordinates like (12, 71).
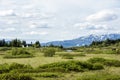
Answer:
(82, 63)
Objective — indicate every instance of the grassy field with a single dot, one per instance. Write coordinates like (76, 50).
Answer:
(39, 60)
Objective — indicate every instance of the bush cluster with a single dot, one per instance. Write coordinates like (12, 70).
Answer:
(48, 75)
(18, 53)
(5, 68)
(49, 52)
(15, 76)
(67, 66)
(107, 62)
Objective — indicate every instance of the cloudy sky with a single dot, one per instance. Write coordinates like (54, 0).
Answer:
(50, 20)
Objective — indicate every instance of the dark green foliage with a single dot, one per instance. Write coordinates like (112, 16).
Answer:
(4, 68)
(107, 42)
(5, 48)
(24, 43)
(67, 66)
(106, 62)
(97, 60)
(15, 76)
(115, 63)
(12, 43)
(37, 44)
(2, 43)
(48, 75)
(50, 52)
(16, 43)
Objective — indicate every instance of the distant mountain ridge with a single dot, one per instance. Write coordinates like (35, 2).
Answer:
(85, 40)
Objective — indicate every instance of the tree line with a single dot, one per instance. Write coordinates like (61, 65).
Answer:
(107, 42)
(18, 43)
(23, 43)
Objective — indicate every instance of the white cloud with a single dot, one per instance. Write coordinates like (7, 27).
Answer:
(7, 29)
(10, 29)
(7, 13)
(56, 17)
(105, 15)
(91, 26)
(35, 25)
(32, 25)
(36, 33)
(11, 22)
(27, 15)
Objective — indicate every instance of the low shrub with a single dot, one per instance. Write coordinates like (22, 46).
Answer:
(97, 66)
(48, 75)
(18, 53)
(67, 66)
(97, 60)
(49, 52)
(4, 68)
(115, 63)
(15, 76)
(107, 62)
(19, 66)
(5, 48)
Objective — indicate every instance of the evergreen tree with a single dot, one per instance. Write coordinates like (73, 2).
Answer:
(24, 43)
(37, 44)
(16, 43)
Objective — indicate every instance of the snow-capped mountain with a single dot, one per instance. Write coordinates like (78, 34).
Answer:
(85, 40)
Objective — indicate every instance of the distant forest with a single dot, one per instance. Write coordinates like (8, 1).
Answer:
(107, 42)
(23, 43)
(17, 43)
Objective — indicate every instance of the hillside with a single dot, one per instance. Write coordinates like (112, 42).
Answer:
(85, 40)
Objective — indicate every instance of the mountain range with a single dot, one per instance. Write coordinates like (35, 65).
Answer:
(84, 40)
